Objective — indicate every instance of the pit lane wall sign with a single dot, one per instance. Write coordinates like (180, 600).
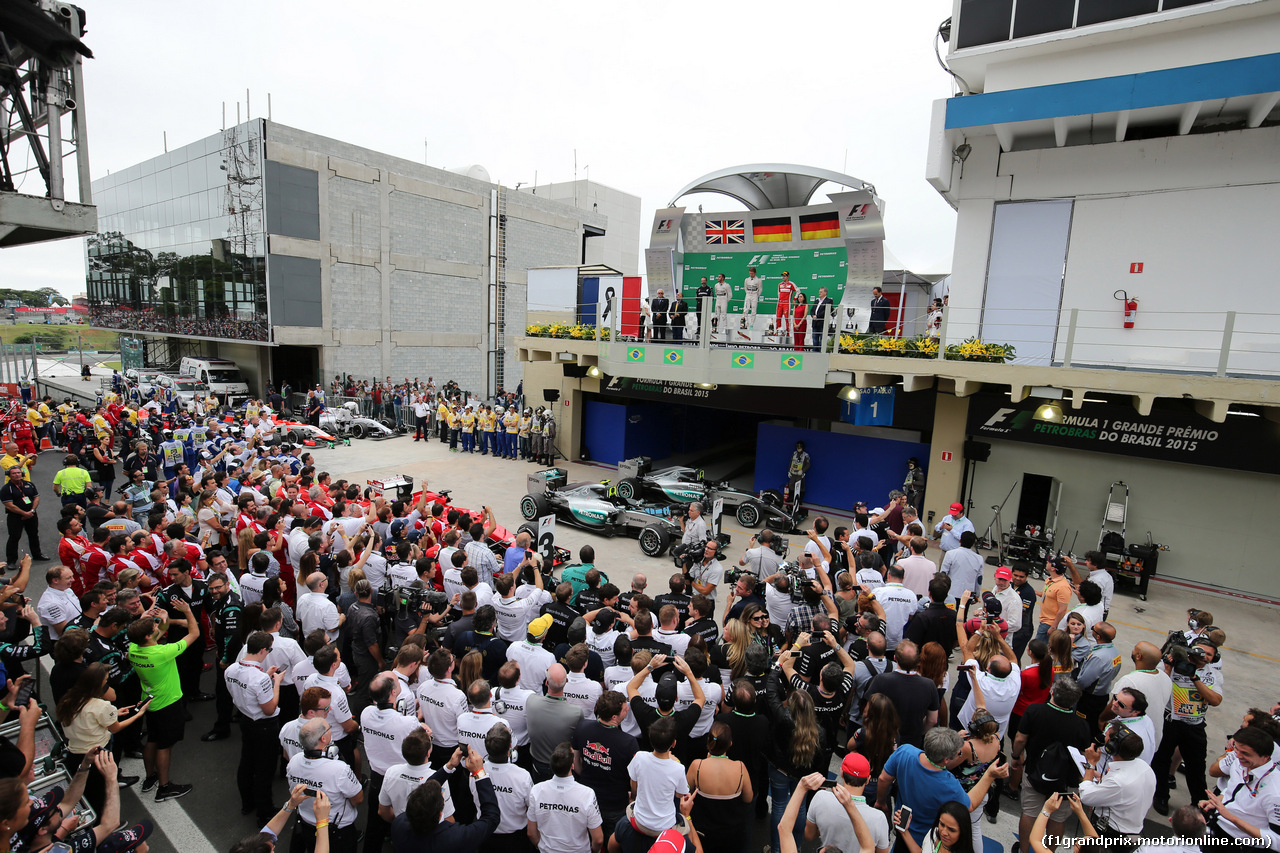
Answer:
(1171, 436)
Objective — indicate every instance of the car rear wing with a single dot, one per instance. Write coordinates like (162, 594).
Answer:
(550, 478)
(637, 466)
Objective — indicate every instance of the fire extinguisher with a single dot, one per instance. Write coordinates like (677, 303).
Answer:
(1130, 307)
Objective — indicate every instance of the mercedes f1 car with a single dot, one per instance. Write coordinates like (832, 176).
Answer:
(600, 507)
(346, 420)
(682, 485)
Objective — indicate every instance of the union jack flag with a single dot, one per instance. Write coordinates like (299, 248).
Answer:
(724, 231)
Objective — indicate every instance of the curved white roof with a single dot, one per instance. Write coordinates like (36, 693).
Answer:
(766, 186)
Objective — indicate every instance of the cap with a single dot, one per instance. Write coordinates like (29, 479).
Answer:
(670, 841)
(855, 764)
(1004, 572)
(991, 604)
(398, 525)
(605, 619)
(123, 840)
(957, 507)
(665, 694)
(538, 627)
(42, 809)
(877, 511)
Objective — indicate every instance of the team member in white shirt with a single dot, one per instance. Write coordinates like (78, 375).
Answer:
(696, 662)
(694, 527)
(385, 730)
(252, 581)
(256, 694)
(326, 662)
(580, 690)
(313, 768)
(511, 784)
(668, 620)
(59, 604)
(314, 704)
(305, 668)
(440, 702)
(1010, 601)
(509, 701)
(1123, 793)
(1095, 562)
(563, 815)
(515, 613)
(401, 780)
(405, 668)
(474, 723)
(534, 660)
(315, 610)
(751, 287)
(899, 604)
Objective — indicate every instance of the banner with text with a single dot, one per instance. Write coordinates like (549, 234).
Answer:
(809, 268)
(1105, 428)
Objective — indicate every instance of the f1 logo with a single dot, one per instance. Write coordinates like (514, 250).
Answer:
(999, 417)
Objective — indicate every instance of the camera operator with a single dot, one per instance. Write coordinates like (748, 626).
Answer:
(760, 559)
(704, 572)
(693, 525)
(1249, 804)
(1196, 685)
(677, 598)
(816, 600)
(777, 598)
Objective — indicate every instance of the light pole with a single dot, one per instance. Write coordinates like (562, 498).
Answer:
(80, 347)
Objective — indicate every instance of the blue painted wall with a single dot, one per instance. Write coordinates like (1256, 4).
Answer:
(846, 468)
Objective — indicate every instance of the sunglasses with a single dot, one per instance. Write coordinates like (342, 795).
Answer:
(759, 618)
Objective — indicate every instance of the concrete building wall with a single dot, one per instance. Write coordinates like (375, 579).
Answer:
(404, 254)
(620, 247)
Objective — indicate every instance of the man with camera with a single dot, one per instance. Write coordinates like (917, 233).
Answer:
(1248, 805)
(318, 772)
(694, 526)
(702, 570)
(1197, 685)
(742, 594)
(761, 559)
(1121, 794)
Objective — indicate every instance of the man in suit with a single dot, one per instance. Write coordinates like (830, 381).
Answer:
(879, 312)
(679, 311)
(660, 306)
(822, 309)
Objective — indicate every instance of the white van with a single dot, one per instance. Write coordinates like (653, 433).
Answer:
(222, 376)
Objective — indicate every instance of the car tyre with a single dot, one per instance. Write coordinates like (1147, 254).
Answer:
(629, 488)
(654, 541)
(533, 507)
(772, 497)
(748, 515)
(358, 430)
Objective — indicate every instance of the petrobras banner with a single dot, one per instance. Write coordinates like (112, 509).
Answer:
(810, 268)
(1169, 435)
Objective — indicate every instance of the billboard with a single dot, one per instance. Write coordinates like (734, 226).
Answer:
(810, 269)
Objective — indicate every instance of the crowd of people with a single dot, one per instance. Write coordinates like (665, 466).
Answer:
(407, 658)
(252, 327)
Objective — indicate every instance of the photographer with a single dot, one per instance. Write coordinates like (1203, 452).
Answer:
(761, 559)
(1120, 795)
(693, 525)
(1196, 682)
(817, 600)
(702, 570)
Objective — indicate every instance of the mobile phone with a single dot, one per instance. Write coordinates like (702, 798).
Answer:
(24, 693)
(829, 783)
(309, 792)
(904, 816)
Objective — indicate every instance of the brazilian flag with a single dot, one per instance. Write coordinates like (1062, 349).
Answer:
(635, 354)
(673, 356)
(792, 362)
(743, 360)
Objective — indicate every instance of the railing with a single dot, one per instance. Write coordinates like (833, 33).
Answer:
(1215, 343)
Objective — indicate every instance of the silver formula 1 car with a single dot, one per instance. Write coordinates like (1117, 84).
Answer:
(601, 508)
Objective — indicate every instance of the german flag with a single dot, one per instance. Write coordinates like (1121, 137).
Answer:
(819, 226)
(777, 230)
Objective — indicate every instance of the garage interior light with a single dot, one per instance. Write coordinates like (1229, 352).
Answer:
(849, 394)
(1050, 411)
(593, 372)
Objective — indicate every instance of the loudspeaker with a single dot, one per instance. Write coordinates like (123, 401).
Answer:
(575, 371)
(978, 451)
(550, 395)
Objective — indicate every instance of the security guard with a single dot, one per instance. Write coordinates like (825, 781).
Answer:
(533, 450)
(488, 422)
(548, 439)
(468, 419)
(71, 482)
(526, 440)
(256, 694)
(511, 420)
(455, 427)
(442, 421)
(315, 768)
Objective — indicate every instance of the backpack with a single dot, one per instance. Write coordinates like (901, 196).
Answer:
(1056, 771)
(860, 691)
(1112, 543)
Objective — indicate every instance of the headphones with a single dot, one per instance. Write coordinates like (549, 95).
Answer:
(315, 754)
(499, 707)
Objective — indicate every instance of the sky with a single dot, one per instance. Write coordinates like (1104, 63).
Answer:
(649, 96)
